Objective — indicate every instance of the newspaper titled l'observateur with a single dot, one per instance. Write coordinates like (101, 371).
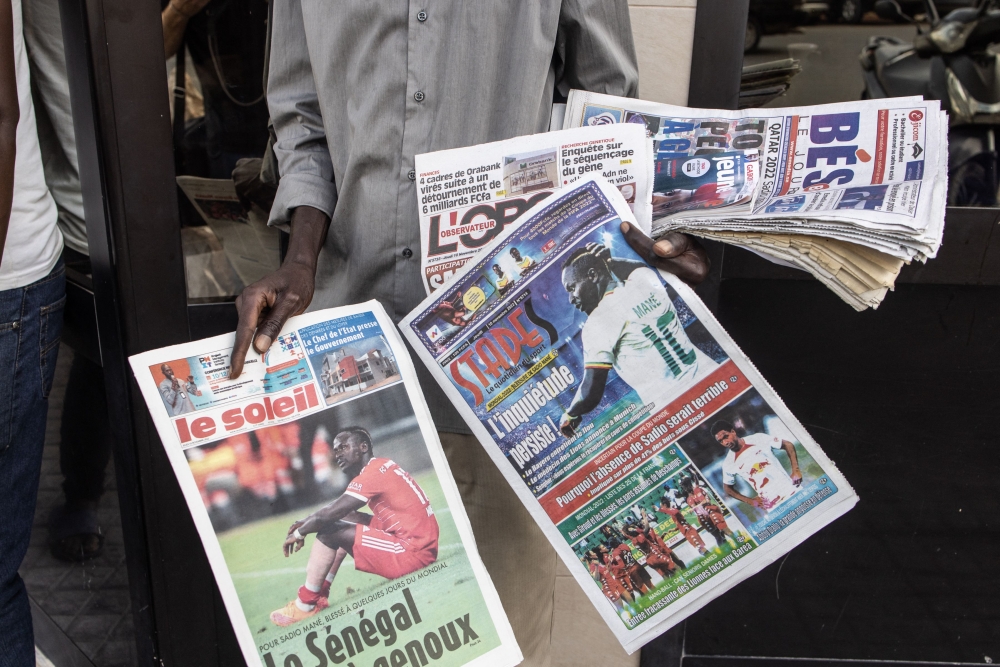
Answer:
(326, 437)
(466, 196)
(656, 459)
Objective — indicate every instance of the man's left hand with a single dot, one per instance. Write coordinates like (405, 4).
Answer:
(292, 543)
(796, 477)
(674, 252)
(568, 424)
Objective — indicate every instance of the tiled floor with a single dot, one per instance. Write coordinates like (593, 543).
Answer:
(89, 602)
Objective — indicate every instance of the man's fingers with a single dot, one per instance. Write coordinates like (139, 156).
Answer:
(641, 243)
(672, 244)
(677, 253)
(250, 304)
(691, 267)
(283, 308)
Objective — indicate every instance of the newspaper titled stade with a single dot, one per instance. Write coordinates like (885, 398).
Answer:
(466, 196)
(319, 488)
(658, 462)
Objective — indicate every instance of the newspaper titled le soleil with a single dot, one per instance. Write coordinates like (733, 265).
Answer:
(326, 436)
(658, 462)
(466, 196)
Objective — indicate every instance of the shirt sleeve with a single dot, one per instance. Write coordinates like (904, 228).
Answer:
(363, 487)
(594, 49)
(300, 146)
(169, 395)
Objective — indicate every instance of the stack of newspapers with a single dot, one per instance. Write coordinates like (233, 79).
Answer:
(848, 192)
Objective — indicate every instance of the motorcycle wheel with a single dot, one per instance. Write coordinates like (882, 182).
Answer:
(851, 11)
(972, 184)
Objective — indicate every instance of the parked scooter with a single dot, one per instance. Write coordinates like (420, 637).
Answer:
(950, 62)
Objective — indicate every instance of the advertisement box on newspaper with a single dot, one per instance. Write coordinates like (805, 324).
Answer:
(466, 196)
(327, 434)
(656, 459)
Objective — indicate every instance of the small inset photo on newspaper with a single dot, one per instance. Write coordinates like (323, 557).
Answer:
(258, 484)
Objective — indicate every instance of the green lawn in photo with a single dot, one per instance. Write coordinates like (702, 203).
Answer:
(265, 580)
(689, 577)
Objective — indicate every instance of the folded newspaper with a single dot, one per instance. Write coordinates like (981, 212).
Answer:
(658, 462)
(467, 195)
(323, 499)
(861, 186)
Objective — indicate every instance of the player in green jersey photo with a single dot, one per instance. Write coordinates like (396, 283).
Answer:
(633, 327)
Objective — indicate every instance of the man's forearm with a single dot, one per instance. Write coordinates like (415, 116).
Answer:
(792, 456)
(174, 23)
(733, 493)
(308, 234)
(591, 392)
(321, 517)
(344, 506)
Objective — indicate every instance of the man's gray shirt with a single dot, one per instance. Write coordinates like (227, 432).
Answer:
(356, 88)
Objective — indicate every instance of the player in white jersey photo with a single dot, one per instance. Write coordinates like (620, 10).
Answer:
(752, 459)
(633, 327)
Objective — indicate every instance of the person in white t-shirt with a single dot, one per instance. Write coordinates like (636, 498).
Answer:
(752, 459)
(32, 295)
(633, 327)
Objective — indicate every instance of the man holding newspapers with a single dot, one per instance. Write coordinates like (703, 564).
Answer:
(354, 95)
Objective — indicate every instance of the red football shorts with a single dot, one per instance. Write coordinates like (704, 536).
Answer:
(384, 554)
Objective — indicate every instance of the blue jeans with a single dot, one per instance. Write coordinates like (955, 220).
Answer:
(30, 326)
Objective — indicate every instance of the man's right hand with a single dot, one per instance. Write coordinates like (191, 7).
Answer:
(266, 305)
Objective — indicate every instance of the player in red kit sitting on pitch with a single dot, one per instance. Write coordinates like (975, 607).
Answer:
(399, 537)
(689, 532)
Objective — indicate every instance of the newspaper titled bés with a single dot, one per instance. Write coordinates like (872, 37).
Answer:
(825, 163)
(658, 462)
(323, 500)
(466, 196)
(849, 192)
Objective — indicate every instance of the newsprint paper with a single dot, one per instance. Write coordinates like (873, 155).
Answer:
(656, 459)
(467, 195)
(330, 419)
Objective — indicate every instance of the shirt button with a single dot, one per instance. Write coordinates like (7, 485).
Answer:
(407, 253)
(412, 175)
(418, 96)
(421, 16)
